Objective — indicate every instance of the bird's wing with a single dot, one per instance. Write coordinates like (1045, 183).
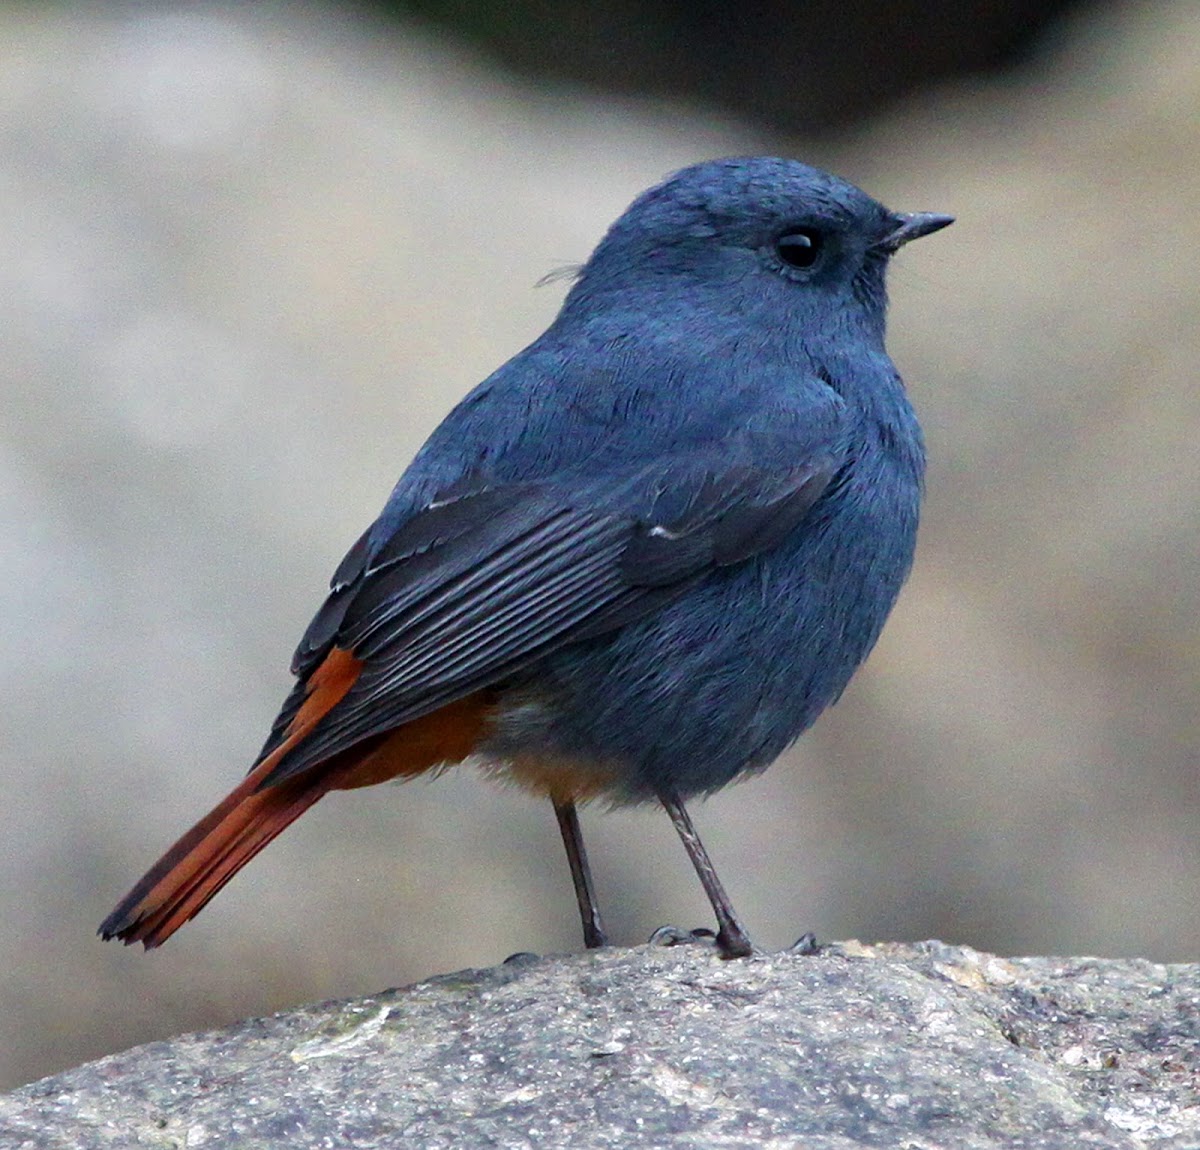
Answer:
(488, 578)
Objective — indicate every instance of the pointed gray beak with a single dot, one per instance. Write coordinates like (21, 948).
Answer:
(912, 227)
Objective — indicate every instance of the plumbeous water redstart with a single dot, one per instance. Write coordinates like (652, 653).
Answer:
(639, 559)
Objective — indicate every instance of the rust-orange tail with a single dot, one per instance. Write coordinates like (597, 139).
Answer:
(179, 885)
(237, 828)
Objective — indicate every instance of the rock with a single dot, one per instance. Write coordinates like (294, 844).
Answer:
(917, 1046)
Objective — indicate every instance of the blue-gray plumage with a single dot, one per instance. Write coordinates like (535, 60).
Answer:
(636, 561)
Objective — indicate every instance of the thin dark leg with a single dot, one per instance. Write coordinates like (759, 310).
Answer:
(732, 940)
(581, 875)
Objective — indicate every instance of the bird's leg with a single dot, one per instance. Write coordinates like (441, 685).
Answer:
(732, 940)
(581, 874)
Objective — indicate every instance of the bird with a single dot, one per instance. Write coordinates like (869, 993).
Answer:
(638, 560)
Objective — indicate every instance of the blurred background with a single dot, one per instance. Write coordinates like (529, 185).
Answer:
(250, 255)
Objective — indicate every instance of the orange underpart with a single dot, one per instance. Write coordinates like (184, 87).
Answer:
(563, 779)
(448, 735)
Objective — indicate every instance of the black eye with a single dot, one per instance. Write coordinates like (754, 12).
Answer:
(799, 249)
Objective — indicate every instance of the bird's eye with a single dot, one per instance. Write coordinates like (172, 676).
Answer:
(800, 248)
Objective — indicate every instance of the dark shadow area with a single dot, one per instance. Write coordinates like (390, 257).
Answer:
(812, 67)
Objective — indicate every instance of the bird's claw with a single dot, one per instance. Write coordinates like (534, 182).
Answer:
(806, 945)
(677, 936)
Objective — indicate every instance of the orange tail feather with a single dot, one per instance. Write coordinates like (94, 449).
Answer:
(182, 882)
(178, 886)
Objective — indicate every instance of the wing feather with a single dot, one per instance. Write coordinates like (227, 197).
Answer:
(480, 585)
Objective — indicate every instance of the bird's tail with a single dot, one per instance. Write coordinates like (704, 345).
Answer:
(179, 885)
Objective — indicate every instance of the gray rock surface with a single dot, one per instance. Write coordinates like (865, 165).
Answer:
(917, 1046)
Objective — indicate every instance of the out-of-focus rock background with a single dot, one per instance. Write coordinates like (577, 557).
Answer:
(248, 256)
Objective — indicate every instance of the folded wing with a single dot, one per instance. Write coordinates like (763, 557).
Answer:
(489, 578)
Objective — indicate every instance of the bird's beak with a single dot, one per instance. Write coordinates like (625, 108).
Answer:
(911, 227)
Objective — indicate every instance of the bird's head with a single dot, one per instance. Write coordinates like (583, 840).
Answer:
(770, 242)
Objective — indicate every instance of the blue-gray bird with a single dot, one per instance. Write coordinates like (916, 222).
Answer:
(635, 562)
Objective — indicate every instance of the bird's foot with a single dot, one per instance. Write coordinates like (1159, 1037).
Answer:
(521, 958)
(806, 945)
(677, 936)
(734, 943)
